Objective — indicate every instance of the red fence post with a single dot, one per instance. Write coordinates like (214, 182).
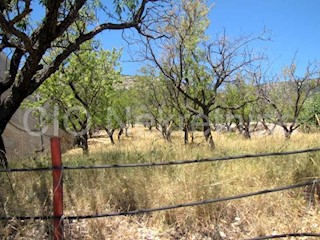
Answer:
(57, 189)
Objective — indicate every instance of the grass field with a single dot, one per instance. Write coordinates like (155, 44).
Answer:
(111, 190)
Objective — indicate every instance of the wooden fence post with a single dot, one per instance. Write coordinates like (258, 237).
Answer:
(57, 189)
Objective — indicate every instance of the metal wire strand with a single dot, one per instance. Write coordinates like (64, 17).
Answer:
(286, 235)
(149, 210)
(156, 164)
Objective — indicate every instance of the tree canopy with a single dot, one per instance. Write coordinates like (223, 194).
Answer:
(57, 29)
(81, 91)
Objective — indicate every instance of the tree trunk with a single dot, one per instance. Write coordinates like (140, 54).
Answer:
(77, 141)
(90, 133)
(192, 136)
(186, 133)
(166, 131)
(126, 130)
(208, 136)
(239, 125)
(8, 108)
(148, 124)
(120, 133)
(317, 118)
(169, 131)
(163, 131)
(110, 134)
(287, 134)
(228, 126)
(84, 144)
(168, 136)
(3, 157)
(207, 129)
(266, 127)
(246, 130)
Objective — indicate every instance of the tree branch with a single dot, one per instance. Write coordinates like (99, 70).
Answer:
(8, 28)
(14, 66)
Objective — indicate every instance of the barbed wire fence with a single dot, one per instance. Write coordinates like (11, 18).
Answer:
(169, 163)
(58, 169)
(277, 236)
(163, 208)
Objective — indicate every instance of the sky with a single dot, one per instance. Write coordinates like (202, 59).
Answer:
(293, 25)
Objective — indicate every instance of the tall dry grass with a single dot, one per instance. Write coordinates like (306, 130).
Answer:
(112, 190)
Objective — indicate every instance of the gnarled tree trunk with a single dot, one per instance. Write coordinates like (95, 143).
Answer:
(266, 127)
(3, 157)
(186, 133)
(120, 133)
(207, 128)
(110, 134)
(84, 144)
(166, 130)
(287, 133)
(246, 130)
(126, 127)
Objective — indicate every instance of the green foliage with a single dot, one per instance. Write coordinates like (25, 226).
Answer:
(118, 114)
(84, 86)
(188, 22)
(199, 69)
(241, 95)
(311, 110)
(291, 94)
(162, 103)
(152, 88)
(125, 6)
(239, 104)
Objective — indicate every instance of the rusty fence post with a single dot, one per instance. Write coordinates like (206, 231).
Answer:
(57, 188)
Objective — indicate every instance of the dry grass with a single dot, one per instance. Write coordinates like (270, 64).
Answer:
(100, 191)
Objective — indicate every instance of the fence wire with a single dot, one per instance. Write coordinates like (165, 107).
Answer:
(157, 164)
(286, 235)
(170, 207)
(149, 210)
